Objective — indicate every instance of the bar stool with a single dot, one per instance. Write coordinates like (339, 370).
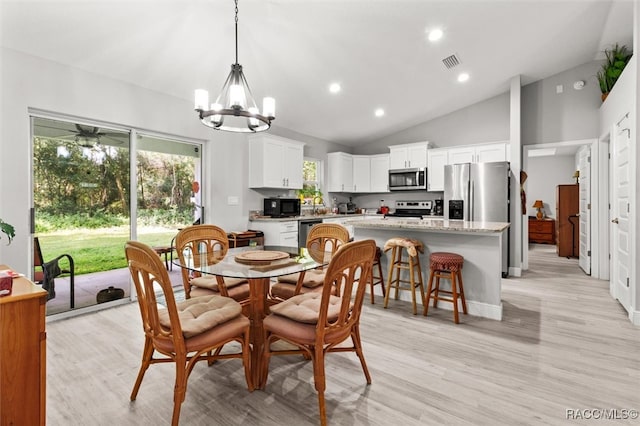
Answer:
(377, 279)
(396, 265)
(449, 266)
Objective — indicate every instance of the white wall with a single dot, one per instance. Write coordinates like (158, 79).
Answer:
(544, 175)
(548, 116)
(486, 121)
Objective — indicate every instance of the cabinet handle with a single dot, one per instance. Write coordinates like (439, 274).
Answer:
(615, 221)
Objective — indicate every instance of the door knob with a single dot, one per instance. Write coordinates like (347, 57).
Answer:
(614, 220)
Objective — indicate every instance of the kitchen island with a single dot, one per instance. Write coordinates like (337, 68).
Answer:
(481, 244)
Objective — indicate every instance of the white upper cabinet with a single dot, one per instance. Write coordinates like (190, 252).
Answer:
(492, 152)
(484, 153)
(340, 170)
(408, 156)
(436, 160)
(275, 162)
(379, 173)
(465, 154)
(361, 173)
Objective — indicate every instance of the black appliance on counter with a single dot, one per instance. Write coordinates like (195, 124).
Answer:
(281, 207)
(438, 208)
(411, 209)
(346, 208)
(408, 179)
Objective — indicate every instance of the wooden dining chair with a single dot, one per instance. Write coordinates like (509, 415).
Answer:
(185, 332)
(317, 322)
(198, 243)
(322, 238)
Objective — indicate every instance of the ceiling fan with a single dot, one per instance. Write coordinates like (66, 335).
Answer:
(90, 136)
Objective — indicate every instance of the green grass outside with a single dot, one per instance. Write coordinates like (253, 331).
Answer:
(96, 250)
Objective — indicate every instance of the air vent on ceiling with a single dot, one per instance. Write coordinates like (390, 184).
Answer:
(451, 61)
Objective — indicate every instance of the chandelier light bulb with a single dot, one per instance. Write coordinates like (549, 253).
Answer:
(269, 107)
(253, 121)
(201, 99)
(236, 96)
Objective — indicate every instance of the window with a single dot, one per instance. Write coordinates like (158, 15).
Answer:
(312, 174)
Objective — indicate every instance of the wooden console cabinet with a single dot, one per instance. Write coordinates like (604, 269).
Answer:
(568, 230)
(23, 354)
(542, 231)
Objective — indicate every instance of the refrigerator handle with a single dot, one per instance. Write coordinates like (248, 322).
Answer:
(471, 200)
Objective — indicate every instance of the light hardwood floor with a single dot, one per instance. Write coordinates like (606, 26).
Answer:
(563, 344)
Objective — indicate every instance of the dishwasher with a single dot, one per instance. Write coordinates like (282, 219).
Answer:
(303, 230)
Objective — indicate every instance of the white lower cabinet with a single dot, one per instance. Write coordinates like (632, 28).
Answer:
(342, 221)
(278, 233)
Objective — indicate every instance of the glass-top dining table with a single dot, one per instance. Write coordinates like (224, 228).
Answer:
(258, 264)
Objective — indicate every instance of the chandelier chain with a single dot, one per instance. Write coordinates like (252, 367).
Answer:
(236, 1)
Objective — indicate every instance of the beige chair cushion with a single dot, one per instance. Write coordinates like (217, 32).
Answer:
(305, 308)
(412, 246)
(212, 284)
(200, 314)
(312, 278)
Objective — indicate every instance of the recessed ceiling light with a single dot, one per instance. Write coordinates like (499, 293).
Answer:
(379, 112)
(462, 77)
(334, 87)
(435, 35)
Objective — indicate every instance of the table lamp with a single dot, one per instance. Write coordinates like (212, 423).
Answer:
(576, 175)
(539, 205)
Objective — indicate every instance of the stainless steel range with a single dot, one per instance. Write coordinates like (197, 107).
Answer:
(412, 209)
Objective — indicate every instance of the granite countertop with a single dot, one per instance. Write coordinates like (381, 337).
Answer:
(307, 217)
(438, 225)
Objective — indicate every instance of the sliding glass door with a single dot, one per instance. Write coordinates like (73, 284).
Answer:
(168, 193)
(82, 199)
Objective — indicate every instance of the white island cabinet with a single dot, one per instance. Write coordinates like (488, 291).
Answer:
(275, 162)
(480, 243)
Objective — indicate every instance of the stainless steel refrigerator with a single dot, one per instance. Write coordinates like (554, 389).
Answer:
(479, 192)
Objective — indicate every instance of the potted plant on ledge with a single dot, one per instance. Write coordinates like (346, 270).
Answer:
(616, 59)
(8, 230)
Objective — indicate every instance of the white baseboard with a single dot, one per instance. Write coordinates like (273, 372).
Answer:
(634, 316)
(477, 309)
(515, 272)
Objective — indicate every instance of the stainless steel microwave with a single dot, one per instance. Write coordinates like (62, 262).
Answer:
(281, 207)
(408, 179)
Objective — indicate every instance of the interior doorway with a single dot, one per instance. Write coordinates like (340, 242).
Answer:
(558, 164)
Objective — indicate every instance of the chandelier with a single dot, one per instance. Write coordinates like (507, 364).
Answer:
(235, 109)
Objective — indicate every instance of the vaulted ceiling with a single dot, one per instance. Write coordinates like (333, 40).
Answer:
(377, 50)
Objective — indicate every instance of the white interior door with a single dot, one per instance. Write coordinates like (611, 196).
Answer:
(620, 259)
(584, 166)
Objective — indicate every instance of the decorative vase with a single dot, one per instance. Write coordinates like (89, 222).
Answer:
(604, 96)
